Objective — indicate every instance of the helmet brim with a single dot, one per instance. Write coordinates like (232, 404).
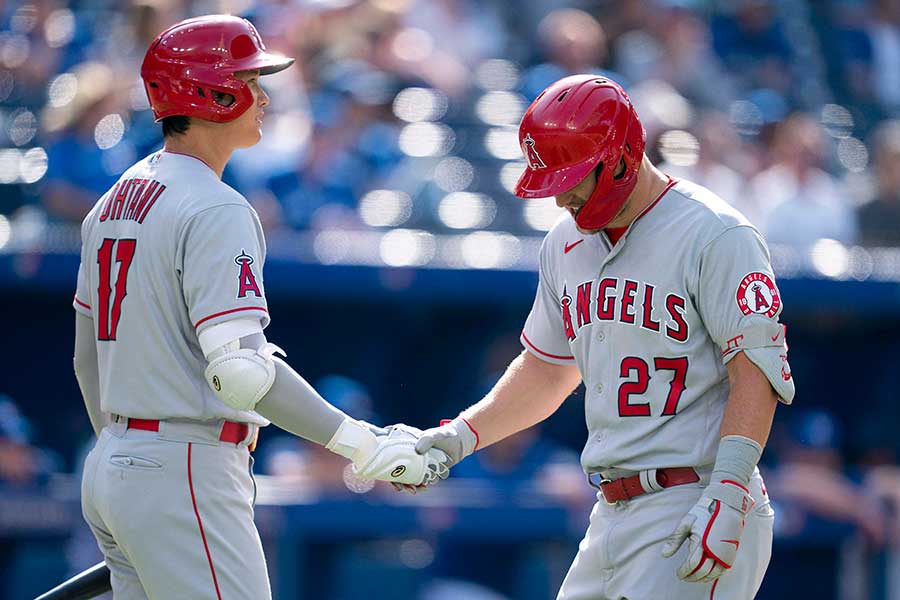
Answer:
(266, 63)
(543, 183)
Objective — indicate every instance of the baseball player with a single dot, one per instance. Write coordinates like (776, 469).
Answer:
(660, 297)
(176, 373)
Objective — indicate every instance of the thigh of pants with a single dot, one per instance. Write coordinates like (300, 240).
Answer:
(619, 558)
(177, 515)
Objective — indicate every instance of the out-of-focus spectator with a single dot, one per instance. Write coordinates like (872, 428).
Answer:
(674, 46)
(795, 201)
(527, 458)
(884, 36)
(810, 475)
(701, 159)
(352, 147)
(879, 220)
(21, 463)
(571, 41)
(85, 126)
(751, 41)
(310, 465)
(34, 35)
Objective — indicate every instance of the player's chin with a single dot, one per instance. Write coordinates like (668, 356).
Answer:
(251, 137)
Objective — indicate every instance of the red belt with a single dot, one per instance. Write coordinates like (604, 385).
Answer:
(630, 487)
(232, 431)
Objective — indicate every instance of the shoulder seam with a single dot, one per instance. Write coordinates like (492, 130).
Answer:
(723, 232)
(716, 215)
(189, 219)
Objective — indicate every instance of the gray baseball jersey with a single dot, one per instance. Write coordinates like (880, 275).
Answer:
(651, 323)
(168, 251)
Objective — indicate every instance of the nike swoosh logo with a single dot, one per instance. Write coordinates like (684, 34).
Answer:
(572, 245)
(777, 335)
(736, 543)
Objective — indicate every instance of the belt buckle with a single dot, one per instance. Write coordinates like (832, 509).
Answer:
(599, 486)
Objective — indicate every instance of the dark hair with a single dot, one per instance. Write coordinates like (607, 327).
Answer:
(175, 125)
(178, 124)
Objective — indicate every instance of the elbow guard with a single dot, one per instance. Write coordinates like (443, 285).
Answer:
(240, 378)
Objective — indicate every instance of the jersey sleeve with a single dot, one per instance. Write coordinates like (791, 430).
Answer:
(221, 257)
(82, 300)
(543, 334)
(739, 303)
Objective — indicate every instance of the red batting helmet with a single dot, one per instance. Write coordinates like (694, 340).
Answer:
(577, 123)
(187, 62)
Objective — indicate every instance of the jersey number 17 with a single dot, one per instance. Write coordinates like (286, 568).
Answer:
(108, 316)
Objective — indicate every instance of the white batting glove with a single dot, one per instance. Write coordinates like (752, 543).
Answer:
(714, 526)
(456, 438)
(387, 457)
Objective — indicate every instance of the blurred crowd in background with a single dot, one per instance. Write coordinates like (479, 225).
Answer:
(403, 114)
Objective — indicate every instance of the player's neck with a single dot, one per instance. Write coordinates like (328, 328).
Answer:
(650, 184)
(198, 144)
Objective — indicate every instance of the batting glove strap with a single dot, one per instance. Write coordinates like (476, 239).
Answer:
(731, 493)
(713, 528)
(456, 438)
(353, 440)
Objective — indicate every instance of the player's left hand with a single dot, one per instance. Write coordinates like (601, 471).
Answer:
(714, 526)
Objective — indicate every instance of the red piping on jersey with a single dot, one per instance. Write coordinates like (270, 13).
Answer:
(672, 182)
(539, 351)
(212, 569)
(712, 592)
(80, 303)
(191, 156)
(228, 312)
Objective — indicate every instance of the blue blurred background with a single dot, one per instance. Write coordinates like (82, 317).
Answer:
(401, 268)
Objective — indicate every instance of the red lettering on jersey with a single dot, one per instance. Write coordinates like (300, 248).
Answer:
(246, 279)
(583, 303)
(606, 303)
(104, 214)
(647, 322)
(159, 191)
(785, 368)
(628, 293)
(675, 308)
(121, 195)
(732, 344)
(565, 304)
(136, 191)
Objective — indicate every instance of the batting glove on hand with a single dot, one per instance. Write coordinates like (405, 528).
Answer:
(388, 456)
(714, 526)
(456, 438)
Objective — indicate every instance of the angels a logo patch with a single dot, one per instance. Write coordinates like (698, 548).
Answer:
(246, 278)
(531, 154)
(757, 294)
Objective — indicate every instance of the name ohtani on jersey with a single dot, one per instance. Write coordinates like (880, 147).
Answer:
(627, 301)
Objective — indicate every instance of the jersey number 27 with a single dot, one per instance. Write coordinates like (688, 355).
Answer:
(108, 316)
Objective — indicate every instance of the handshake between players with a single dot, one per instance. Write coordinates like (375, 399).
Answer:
(406, 456)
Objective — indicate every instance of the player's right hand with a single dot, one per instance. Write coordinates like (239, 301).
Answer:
(456, 438)
(395, 459)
